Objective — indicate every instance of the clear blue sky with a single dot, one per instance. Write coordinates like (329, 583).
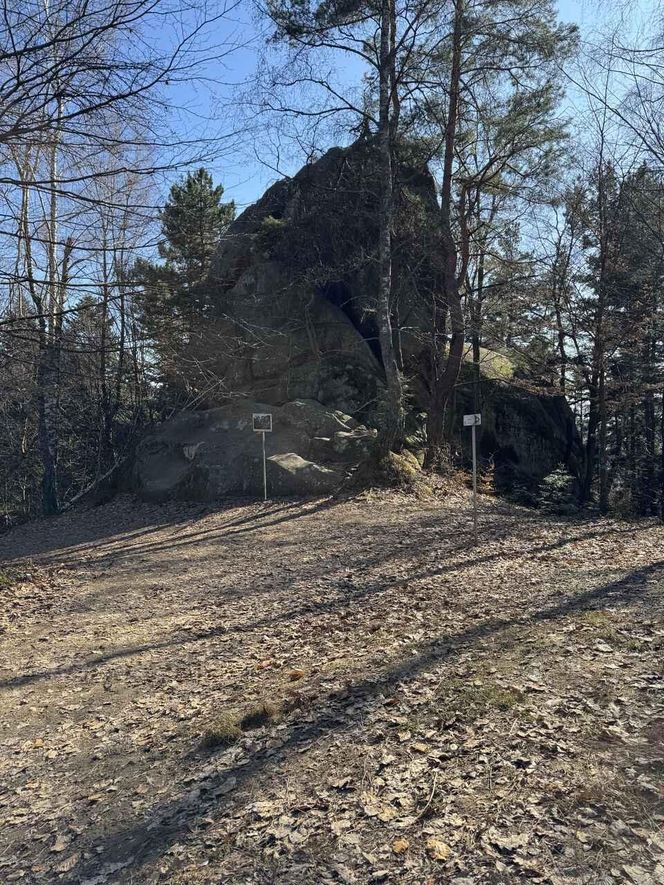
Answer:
(208, 108)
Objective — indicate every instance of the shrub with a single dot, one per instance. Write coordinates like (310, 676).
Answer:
(222, 732)
(271, 234)
(558, 492)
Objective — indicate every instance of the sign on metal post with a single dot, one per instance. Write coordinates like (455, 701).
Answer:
(262, 423)
(474, 421)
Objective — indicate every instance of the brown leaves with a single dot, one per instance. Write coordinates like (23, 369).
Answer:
(437, 849)
(505, 843)
(68, 863)
(375, 807)
(61, 843)
(481, 726)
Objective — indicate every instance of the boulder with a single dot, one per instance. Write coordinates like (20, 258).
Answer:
(289, 474)
(215, 453)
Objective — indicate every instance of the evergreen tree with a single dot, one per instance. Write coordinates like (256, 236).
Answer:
(175, 296)
(192, 221)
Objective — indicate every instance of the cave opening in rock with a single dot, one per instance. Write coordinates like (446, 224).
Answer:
(338, 293)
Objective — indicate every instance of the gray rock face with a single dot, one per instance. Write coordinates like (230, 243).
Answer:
(525, 435)
(215, 453)
(293, 331)
(294, 285)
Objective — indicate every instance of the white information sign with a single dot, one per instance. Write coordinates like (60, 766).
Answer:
(472, 420)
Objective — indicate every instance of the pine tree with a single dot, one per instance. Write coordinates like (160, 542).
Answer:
(192, 221)
(175, 297)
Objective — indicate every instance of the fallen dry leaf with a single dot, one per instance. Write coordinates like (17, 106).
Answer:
(437, 849)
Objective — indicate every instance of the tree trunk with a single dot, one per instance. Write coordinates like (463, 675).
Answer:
(443, 384)
(590, 448)
(47, 421)
(393, 420)
(602, 447)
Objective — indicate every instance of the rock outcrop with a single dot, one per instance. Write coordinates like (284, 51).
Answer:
(524, 435)
(294, 283)
(293, 331)
(215, 453)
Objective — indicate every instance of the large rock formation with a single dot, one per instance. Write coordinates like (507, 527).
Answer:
(294, 283)
(293, 331)
(215, 453)
(524, 435)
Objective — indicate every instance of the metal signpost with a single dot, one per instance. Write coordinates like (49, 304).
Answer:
(263, 425)
(474, 421)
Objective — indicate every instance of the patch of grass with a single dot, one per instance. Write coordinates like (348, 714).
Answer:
(227, 728)
(222, 732)
(605, 626)
(501, 698)
(258, 716)
(595, 618)
(470, 699)
(602, 624)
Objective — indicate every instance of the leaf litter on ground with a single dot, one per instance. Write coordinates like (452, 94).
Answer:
(415, 709)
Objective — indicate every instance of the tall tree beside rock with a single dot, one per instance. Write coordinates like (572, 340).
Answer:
(476, 92)
(367, 30)
(174, 295)
(488, 99)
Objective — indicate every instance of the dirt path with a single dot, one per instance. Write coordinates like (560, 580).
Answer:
(442, 713)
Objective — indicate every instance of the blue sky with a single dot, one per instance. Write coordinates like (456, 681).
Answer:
(244, 169)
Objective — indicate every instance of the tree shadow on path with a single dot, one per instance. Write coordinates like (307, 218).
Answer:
(146, 840)
(342, 599)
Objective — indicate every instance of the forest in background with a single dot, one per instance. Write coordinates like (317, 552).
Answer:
(547, 150)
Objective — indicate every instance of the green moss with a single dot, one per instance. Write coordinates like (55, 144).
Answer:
(494, 365)
(400, 469)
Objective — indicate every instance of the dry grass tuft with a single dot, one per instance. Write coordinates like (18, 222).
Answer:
(222, 732)
(226, 728)
(470, 699)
